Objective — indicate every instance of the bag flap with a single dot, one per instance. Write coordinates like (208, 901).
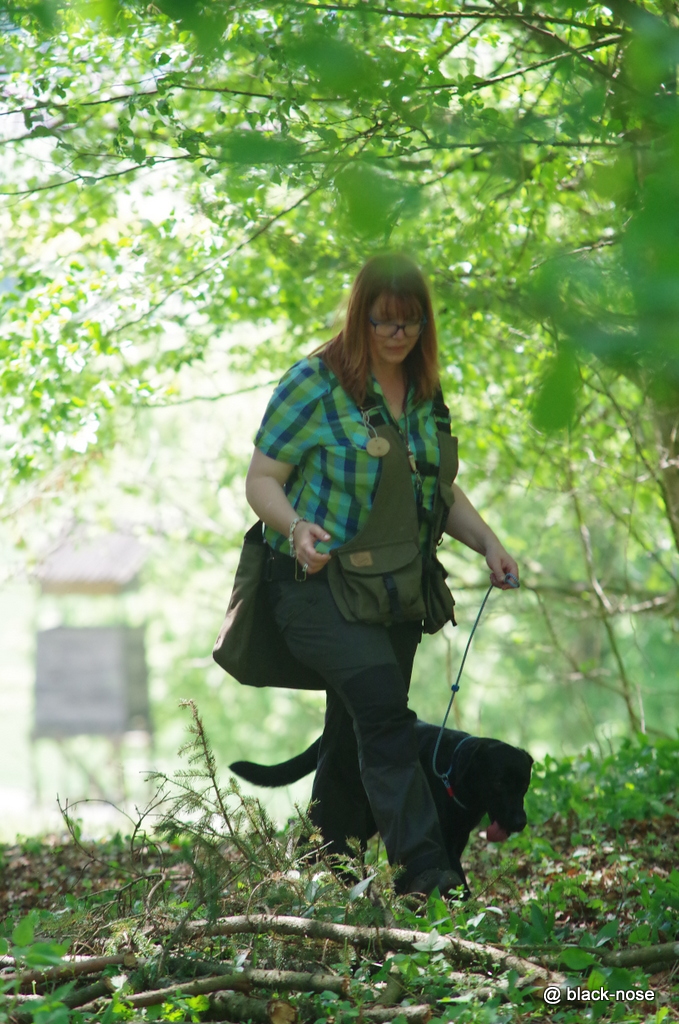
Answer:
(378, 559)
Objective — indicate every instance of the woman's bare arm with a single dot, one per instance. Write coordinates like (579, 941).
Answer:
(264, 491)
(466, 525)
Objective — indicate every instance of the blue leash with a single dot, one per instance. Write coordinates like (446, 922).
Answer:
(511, 579)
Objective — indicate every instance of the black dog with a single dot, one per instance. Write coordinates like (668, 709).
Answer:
(485, 777)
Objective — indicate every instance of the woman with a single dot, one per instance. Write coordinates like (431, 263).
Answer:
(314, 478)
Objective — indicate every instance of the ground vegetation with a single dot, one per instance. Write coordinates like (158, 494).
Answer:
(206, 910)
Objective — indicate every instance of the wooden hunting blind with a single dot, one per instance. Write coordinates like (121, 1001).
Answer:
(91, 680)
(85, 564)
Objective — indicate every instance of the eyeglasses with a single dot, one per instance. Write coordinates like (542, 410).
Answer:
(388, 328)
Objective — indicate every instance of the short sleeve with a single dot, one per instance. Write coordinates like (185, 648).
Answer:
(290, 426)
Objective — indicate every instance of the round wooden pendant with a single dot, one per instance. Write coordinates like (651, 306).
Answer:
(378, 446)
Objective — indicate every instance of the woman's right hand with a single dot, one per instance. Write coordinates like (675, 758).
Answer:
(265, 491)
(305, 537)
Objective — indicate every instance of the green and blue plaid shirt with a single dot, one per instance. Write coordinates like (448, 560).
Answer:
(313, 424)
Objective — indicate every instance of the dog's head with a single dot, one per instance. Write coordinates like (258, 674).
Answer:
(507, 770)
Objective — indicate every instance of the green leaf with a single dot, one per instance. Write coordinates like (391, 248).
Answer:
(335, 63)
(555, 404)
(254, 147)
(432, 944)
(370, 197)
(609, 931)
(596, 980)
(43, 954)
(538, 921)
(577, 959)
(615, 179)
(22, 934)
(198, 1003)
(641, 935)
(360, 887)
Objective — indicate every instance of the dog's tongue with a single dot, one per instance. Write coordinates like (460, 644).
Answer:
(496, 834)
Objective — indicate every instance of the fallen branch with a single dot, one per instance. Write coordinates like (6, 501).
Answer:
(664, 954)
(237, 1007)
(235, 982)
(413, 1014)
(73, 969)
(298, 981)
(460, 950)
(79, 997)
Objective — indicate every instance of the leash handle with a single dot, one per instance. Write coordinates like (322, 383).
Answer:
(513, 582)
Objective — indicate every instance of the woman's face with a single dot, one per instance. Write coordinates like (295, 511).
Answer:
(387, 311)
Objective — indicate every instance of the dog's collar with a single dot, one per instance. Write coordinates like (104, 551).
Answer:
(445, 778)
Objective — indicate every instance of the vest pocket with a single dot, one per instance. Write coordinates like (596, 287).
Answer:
(378, 585)
(438, 600)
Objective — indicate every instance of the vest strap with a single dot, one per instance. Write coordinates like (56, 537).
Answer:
(392, 594)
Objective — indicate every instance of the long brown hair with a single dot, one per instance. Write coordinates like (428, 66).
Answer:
(395, 276)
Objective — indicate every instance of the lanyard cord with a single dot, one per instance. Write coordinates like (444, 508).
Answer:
(511, 579)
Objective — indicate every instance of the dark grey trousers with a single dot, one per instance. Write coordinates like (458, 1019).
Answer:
(369, 775)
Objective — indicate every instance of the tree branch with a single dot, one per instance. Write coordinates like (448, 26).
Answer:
(554, 39)
(459, 950)
(605, 607)
(606, 392)
(208, 398)
(86, 178)
(243, 981)
(570, 52)
(79, 997)
(71, 968)
(664, 954)
(483, 13)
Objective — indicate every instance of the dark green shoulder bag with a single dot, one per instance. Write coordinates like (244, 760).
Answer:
(249, 645)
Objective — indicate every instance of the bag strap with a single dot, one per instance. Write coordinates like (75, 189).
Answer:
(441, 413)
(255, 535)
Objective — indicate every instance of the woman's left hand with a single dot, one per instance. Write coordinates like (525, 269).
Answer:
(500, 563)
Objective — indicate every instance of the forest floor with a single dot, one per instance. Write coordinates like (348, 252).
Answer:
(207, 912)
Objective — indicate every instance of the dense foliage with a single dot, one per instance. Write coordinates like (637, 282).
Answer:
(592, 874)
(173, 171)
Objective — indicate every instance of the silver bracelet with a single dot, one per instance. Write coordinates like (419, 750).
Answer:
(291, 534)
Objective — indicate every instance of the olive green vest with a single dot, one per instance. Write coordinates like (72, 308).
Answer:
(381, 575)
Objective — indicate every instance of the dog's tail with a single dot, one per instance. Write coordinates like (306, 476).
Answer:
(279, 774)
